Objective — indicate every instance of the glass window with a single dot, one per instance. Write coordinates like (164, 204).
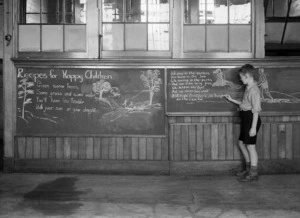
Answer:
(136, 25)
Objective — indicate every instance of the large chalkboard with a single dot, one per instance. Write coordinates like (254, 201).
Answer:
(90, 101)
(202, 90)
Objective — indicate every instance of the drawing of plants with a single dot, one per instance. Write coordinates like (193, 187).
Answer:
(23, 94)
(152, 82)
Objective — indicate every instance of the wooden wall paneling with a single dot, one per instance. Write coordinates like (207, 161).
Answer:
(187, 119)
(120, 148)
(142, 149)
(177, 142)
(36, 147)
(266, 131)
(135, 149)
(44, 148)
(180, 119)
(225, 119)
(29, 148)
(59, 148)
(274, 141)
(52, 148)
(281, 140)
(285, 118)
(289, 141)
(89, 148)
(171, 142)
(150, 149)
(185, 142)
(229, 141)
(195, 120)
(67, 148)
(21, 147)
(199, 143)
(202, 119)
(165, 155)
(192, 142)
(236, 150)
(217, 119)
(104, 149)
(209, 119)
(214, 142)
(259, 142)
(270, 119)
(127, 148)
(112, 149)
(82, 148)
(222, 142)
(74, 148)
(296, 140)
(207, 142)
(157, 149)
(97, 148)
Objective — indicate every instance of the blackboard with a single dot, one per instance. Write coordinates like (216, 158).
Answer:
(90, 101)
(202, 90)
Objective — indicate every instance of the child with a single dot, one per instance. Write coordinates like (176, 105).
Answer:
(250, 106)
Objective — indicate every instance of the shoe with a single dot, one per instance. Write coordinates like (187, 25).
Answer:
(242, 174)
(248, 178)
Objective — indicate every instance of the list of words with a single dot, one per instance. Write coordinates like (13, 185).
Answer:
(191, 86)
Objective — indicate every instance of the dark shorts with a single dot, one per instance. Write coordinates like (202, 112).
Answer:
(246, 123)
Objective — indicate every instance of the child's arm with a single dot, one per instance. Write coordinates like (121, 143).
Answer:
(254, 123)
(229, 98)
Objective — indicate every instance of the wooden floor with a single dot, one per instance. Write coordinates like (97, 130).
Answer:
(87, 195)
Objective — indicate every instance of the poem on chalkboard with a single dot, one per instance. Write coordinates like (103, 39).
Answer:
(90, 101)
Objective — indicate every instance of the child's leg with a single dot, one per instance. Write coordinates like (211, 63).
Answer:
(244, 151)
(253, 175)
(253, 155)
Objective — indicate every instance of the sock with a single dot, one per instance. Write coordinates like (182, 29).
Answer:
(253, 170)
(248, 166)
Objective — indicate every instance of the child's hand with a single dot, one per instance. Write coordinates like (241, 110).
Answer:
(252, 132)
(228, 97)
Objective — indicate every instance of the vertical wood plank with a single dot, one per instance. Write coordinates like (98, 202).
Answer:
(44, 148)
(21, 147)
(207, 142)
(209, 119)
(202, 119)
(89, 148)
(29, 148)
(177, 142)
(97, 148)
(36, 148)
(296, 140)
(192, 142)
(236, 150)
(52, 148)
(74, 148)
(104, 148)
(157, 149)
(59, 148)
(112, 148)
(199, 142)
(259, 143)
(281, 140)
(135, 149)
(82, 148)
(214, 142)
(171, 142)
(225, 119)
(184, 142)
(289, 141)
(274, 141)
(127, 148)
(229, 141)
(150, 149)
(266, 129)
(195, 119)
(222, 142)
(187, 119)
(142, 149)
(120, 148)
(164, 149)
(67, 148)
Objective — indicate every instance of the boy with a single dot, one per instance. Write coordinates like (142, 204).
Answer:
(250, 106)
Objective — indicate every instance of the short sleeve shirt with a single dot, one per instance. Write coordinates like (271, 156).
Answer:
(251, 99)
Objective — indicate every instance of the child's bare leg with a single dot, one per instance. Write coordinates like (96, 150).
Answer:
(244, 151)
(253, 155)
(252, 175)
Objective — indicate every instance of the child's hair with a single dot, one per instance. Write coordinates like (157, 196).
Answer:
(248, 69)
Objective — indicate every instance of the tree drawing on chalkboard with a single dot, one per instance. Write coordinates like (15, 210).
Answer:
(222, 81)
(151, 81)
(23, 94)
(264, 85)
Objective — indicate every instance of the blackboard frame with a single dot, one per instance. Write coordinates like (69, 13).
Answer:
(125, 67)
(225, 113)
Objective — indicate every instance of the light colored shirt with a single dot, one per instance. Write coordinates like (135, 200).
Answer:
(251, 99)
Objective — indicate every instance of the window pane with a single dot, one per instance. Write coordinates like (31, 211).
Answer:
(194, 11)
(113, 11)
(33, 18)
(113, 37)
(51, 18)
(158, 11)
(136, 10)
(280, 8)
(217, 12)
(240, 38)
(136, 37)
(194, 38)
(33, 6)
(240, 11)
(52, 6)
(75, 38)
(31, 32)
(217, 38)
(158, 37)
(52, 38)
(295, 8)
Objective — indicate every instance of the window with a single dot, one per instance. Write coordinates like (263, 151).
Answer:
(52, 26)
(217, 26)
(282, 27)
(135, 27)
